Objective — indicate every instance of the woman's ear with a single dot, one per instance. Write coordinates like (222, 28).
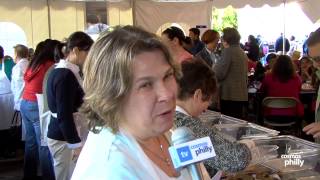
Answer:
(76, 51)
(175, 41)
(197, 96)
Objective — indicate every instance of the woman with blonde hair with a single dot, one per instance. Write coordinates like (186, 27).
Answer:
(130, 94)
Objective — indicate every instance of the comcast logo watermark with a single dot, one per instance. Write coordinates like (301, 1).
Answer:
(292, 160)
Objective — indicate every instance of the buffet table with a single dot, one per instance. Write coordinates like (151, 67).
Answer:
(281, 157)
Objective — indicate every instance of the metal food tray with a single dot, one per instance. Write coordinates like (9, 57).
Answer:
(235, 132)
(212, 118)
(290, 145)
(308, 152)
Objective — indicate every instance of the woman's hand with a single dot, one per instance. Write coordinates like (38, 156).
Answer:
(249, 143)
(313, 129)
(76, 153)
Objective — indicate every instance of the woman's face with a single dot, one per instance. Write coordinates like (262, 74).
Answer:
(199, 105)
(78, 56)
(213, 45)
(81, 57)
(149, 108)
(224, 43)
(168, 42)
(15, 57)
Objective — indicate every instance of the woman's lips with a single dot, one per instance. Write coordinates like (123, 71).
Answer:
(167, 114)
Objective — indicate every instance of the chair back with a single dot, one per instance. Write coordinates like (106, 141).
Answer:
(282, 108)
(280, 102)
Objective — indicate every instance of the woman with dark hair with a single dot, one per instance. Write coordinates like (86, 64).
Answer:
(208, 54)
(64, 94)
(173, 37)
(306, 69)
(270, 60)
(231, 73)
(33, 77)
(196, 89)
(283, 81)
(59, 52)
(259, 72)
(253, 48)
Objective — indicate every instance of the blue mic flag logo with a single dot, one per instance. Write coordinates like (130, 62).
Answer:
(184, 153)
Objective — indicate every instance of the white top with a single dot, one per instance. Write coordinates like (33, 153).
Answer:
(96, 28)
(180, 109)
(72, 67)
(117, 156)
(17, 82)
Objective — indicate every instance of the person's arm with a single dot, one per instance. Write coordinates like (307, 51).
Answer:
(223, 65)
(230, 157)
(65, 90)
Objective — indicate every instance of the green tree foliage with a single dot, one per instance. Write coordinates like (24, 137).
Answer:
(222, 18)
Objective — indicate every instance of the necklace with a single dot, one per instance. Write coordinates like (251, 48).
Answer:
(161, 157)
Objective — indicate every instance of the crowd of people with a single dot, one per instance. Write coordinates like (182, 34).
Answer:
(132, 88)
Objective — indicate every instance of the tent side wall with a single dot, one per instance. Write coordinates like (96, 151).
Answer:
(32, 17)
(155, 16)
(66, 18)
(120, 13)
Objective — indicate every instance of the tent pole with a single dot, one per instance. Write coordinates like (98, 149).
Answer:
(284, 28)
(49, 19)
(133, 6)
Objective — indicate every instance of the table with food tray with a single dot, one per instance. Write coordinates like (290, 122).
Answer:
(281, 157)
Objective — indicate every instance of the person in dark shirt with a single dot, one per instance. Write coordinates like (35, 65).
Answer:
(279, 44)
(64, 95)
(197, 45)
(253, 48)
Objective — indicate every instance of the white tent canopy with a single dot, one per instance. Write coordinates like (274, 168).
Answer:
(155, 15)
(41, 19)
(310, 7)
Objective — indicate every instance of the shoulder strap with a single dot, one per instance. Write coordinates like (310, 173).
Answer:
(44, 89)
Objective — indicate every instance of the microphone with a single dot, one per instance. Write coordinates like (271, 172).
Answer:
(188, 151)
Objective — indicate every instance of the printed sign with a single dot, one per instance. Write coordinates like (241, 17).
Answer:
(191, 152)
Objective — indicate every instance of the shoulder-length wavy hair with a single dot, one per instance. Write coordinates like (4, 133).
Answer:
(283, 68)
(108, 73)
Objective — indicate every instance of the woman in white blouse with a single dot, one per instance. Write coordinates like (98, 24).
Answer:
(130, 94)
(17, 82)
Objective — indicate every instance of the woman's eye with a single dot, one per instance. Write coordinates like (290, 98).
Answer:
(146, 85)
(168, 75)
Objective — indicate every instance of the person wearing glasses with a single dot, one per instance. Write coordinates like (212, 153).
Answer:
(64, 95)
(197, 87)
(313, 43)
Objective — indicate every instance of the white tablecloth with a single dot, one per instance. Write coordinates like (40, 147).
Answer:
(6, 110)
